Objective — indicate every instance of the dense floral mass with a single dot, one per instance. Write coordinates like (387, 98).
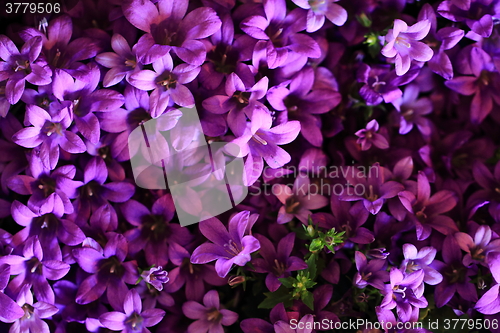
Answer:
(369, 138)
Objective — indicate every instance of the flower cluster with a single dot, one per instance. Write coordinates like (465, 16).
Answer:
(370, 145)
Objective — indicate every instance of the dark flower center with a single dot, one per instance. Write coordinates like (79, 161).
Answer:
(292, 205)
(279, 268)
(477, 253)
(47, 185)
(242, 97)
(50, 128)
(232, 248)
(275, 33)
(22, 65)
(371, 195)
(111, 267)
(168, 81)
(224, 58)
(28, 311)
(408, 114)
(137, 117)
(135, 322)
(34, 266)
(412, 267)
(130, 63)
(155, 228)
(213, 315)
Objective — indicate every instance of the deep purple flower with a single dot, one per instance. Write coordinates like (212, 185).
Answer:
(349, 219)
(456, 277)
(403, 44)
(280, 322)
(317, 10)
(479, 15)
(156, 277)
(241, 101)
(260, 142)
(369, 136)
(411, 111)
(107, 268)
(209, 316)
(227, 248)
(94, 193)
(479, 247)
(167, 84)
(371, 273)
(31, 321)
(10, 311)
(50, 132)
(277, 35)
(277, 263)
(382, 84)
(59, 51)
(304, 100)
(483, 82)
(427, 209)
(122, 63)
(420, 260)
(132, 319)
(490, 192)
(153, 230)
(21, 66)
(193, 277)
(33, 270)
(372, 188)
(168, 28)
(404, 293)
(299, 200)
(44, 185)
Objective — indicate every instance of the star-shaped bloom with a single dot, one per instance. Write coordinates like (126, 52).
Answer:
(318, 9)
(403, 44)
(227, 247)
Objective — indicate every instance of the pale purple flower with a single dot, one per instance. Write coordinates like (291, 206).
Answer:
(420, 260)
(20, 66)
(403, 44)
(371, 273)
(318, 9)
(227, 247)
(167, 84)
(132, 319)
(156, 277)
(411, 110)
(369, 136)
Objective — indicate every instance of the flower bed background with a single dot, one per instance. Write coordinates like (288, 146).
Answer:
(370, 137)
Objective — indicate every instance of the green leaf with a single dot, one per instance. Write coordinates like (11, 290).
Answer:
(311, 266)
(308, 299)
(287, 282)
(272, 299)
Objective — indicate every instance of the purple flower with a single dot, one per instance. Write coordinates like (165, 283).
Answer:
(33, 270)
(318, 10)
(349, 219)
(31, 321)
(478, 248)
(304, 100)
(167, 84)
(260, 142)
(50, 132)
(10, 311)
(85, 99)
(420, 260)
(412, 109)
(404, 293)
(107, 268)
(427, 209)
(21, 66)
(193, 277)
(132, 319)
(369, 136)
(239, 100)
(381, 84)
(168, 28)
(456, 277)
(280, 320)
(403, 44)
(374, 189)
(489, 194)
(483, 83)
(277, 263)
(277, 35)
(479, 15)
(209, 316)
(122, 63)
(371, 273)
(152, 230)
(156, 277)
(227, 248)
(298, 201)
(57, 48)
(43, 185)
(489, 303)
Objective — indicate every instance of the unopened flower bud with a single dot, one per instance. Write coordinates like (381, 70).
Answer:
(235, 280)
